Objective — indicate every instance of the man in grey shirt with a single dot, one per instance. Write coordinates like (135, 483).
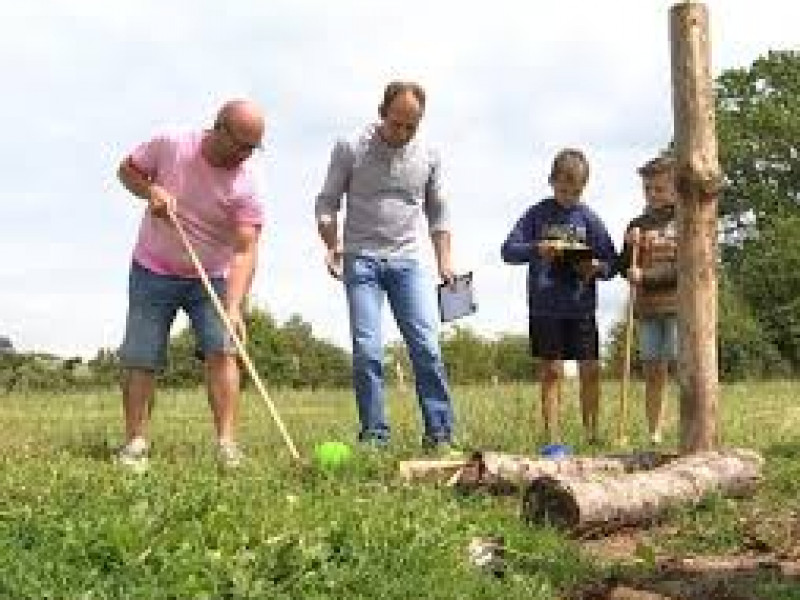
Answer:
(391, 181)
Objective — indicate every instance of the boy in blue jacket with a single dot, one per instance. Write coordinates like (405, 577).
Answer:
(567, 248)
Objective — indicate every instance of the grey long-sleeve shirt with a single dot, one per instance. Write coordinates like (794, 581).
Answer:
(388, 190)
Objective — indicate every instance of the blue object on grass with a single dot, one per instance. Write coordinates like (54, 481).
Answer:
(555, 451)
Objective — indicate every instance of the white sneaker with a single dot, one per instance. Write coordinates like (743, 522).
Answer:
(229, 455)
(655, 438)
(133, 455)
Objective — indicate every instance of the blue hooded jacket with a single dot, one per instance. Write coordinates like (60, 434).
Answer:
(554, 288)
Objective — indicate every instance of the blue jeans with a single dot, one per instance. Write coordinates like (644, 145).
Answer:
(658, 338)
(412, 300)
(153, 303)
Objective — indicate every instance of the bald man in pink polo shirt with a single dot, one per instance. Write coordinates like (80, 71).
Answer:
(203, 177)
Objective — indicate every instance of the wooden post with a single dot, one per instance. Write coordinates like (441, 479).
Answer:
(698, 182)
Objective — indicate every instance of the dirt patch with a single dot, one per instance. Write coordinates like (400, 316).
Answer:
(664, 590)
(627, 546)
(770, 553)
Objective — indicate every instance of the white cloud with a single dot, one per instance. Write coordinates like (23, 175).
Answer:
(509, 83)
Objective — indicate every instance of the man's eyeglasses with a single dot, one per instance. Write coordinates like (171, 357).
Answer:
(247, 147)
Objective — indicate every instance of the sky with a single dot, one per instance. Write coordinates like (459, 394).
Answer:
(509, 83)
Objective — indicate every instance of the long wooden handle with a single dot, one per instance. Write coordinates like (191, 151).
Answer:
(234, 335)
(622, 423)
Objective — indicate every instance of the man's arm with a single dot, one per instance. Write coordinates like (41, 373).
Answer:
(328, 204)
(141, 185)
(441, 248)
(242, 269)
(438, 215)
(328, 230)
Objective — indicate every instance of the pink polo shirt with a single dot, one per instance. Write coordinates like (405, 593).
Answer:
(210, 202)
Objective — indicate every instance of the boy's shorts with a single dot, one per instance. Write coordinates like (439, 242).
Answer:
(658, 338)
(153, 303)
(555, 338)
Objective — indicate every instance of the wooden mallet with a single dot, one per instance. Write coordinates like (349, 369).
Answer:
(234, 335)
(622, 423)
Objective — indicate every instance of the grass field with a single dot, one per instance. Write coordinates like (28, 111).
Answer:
(74, 525)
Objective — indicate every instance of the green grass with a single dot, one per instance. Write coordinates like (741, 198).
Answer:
(73, 525)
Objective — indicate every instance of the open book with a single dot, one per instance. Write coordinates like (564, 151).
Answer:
(570, 252)
(456, 299)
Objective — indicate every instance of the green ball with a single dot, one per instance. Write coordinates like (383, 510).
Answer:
(332, 455)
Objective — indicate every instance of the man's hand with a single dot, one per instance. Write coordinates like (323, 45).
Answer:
(442, 250)
(160, 202)
(237, 320)
(588, 269)
(334, 261)
(446, 273)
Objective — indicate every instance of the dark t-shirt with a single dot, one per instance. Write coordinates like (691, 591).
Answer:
(555, 288)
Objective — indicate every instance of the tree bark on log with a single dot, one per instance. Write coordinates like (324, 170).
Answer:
(430, 469)
(731, 565)
(508, 473)
(605, 502)
(698, 180)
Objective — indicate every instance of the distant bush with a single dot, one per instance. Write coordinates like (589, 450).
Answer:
(286, 355)
(471, 358)
(745, 347)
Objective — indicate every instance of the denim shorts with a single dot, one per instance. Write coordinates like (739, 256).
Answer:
(153, 303)
(658, 338)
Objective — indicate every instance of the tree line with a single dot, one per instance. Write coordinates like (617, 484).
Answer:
(286, 355)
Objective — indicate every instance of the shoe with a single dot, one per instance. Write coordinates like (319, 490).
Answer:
(133, 455)
(372, 443)
(229, 456)
(655, 438)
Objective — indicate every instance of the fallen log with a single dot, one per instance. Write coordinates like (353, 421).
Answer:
(602, 502)
(508, 473)
(420, 470)
(725, 566)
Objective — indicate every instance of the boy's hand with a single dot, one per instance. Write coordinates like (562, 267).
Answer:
(588, 269)
(634, 275)
(633, 236)
(547, 250)
(649, 239)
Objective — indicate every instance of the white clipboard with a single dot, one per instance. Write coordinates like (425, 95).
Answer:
(456, 299)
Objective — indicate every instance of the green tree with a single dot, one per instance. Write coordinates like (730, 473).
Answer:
(184, 367)
(614, 349)
(512, 356)
(758, 121)
(744, 348)
(104, 368)
(284, 355)
(467, 357)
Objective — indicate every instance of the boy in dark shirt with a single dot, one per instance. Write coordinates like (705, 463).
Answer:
(566, 247)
